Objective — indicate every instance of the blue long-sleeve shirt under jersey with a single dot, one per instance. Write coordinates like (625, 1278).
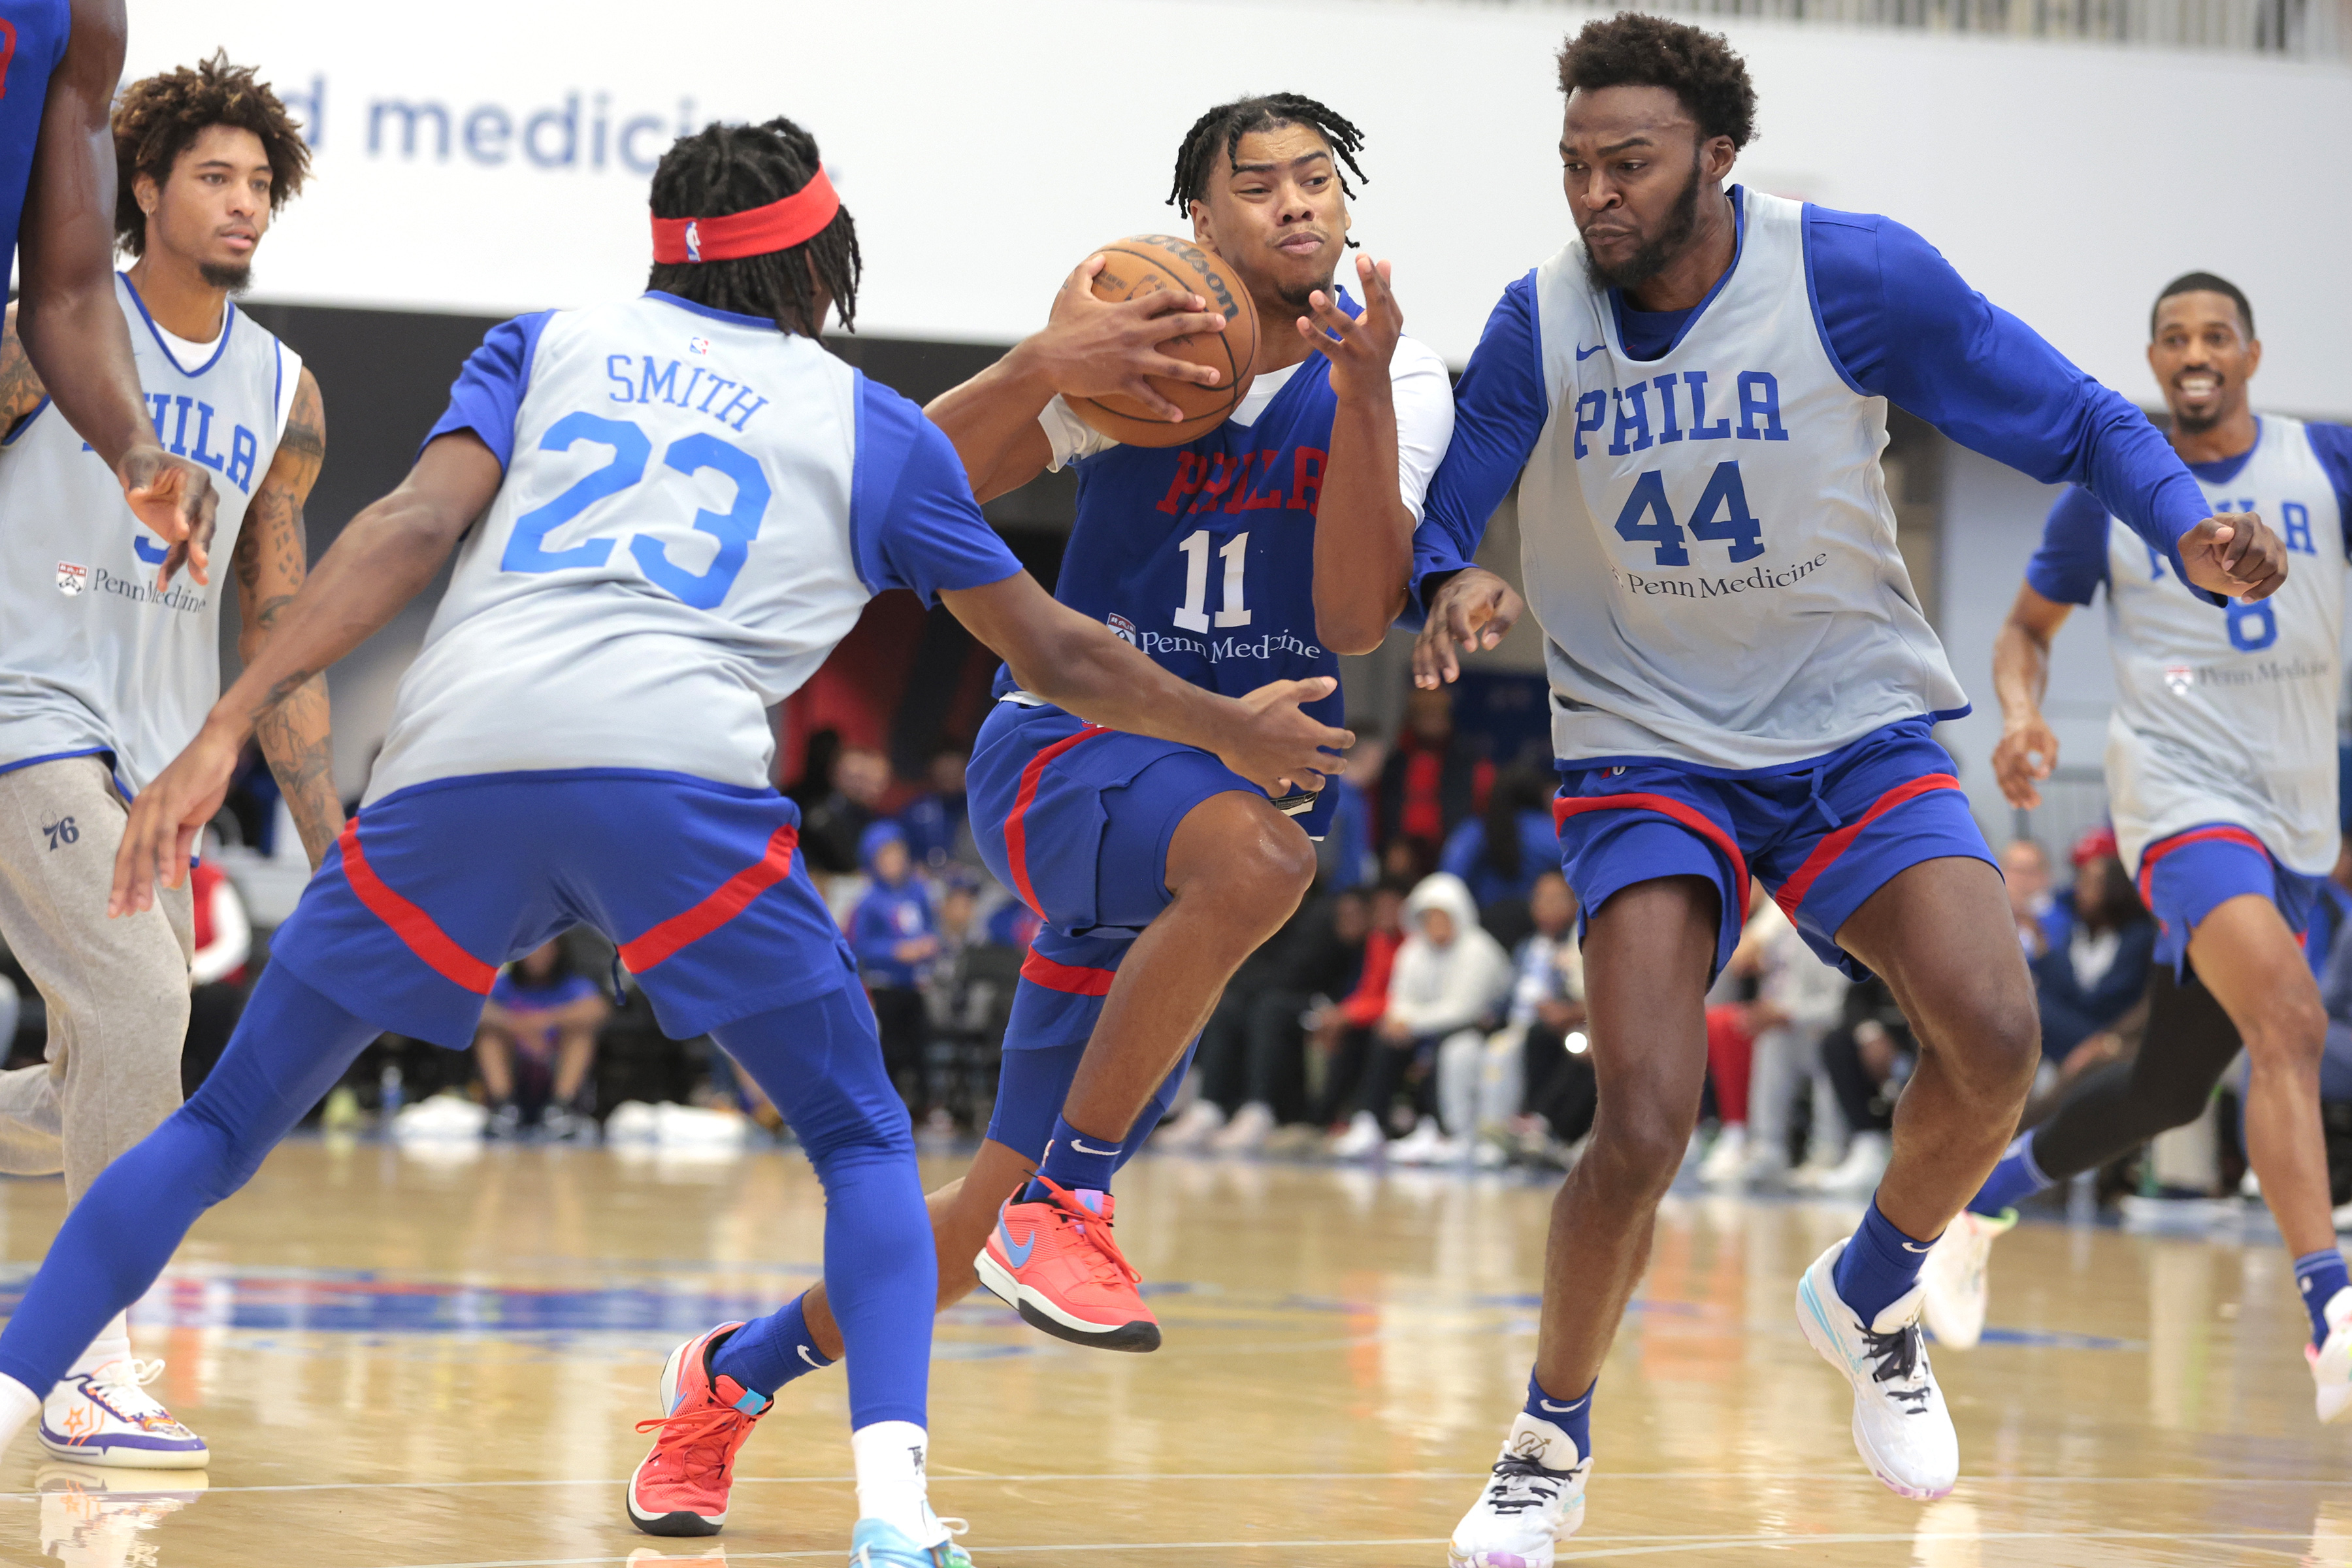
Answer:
(1900, 323)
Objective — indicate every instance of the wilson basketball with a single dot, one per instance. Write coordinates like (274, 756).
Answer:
(1152, 263)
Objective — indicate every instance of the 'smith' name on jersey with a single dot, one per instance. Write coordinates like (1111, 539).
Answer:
(641, 378)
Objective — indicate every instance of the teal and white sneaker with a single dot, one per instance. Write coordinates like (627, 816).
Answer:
(2331, 1363)
(878, 1544)
(1533, 1501)
(1901, 1428)
(1954, 1276)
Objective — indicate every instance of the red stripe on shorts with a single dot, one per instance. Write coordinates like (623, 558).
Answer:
(2163, 846)
(1689, 815)
(411, 924)
(1826, 854)
(1071, 979)
(733, 896)
(1016, 825)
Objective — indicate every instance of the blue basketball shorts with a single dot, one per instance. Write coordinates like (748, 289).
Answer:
(2188, 875)
(1821, 837)
(699, 885)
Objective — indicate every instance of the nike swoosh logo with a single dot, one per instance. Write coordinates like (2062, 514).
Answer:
(1583, 353)
(1561, 1409)
(1909, 1247)
(814, 1364)
(1080, 1145)
(1016, 1255)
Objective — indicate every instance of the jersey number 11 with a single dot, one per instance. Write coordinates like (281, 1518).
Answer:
(1193, 614)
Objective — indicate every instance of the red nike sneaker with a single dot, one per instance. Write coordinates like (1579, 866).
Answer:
(681, 1487)
(1055, 1262)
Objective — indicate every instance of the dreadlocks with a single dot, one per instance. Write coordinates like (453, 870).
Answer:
(723, 169)
(1223, 127)
(158, 117)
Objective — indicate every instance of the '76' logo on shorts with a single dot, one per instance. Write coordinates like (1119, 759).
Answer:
(62, 831)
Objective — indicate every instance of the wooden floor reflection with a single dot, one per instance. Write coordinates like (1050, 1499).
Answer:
(404, 1362)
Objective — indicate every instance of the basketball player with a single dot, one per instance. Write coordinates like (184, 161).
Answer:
(57, 194)
(671, 509)
(104, 676)
(2222, 774)
(1155, 867)
(1695, 391)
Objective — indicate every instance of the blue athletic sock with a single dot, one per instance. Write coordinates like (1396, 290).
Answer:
(769, 1352)
(1879, 1264)
(1573, 1416)
(1075, 1160)
(2017, 1176)
(2319, 1275)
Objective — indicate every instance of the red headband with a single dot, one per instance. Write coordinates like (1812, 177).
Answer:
(781, 225)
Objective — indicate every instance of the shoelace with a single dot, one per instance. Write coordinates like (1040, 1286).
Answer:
(1522, 1484)
(1110, 1265)
(124, 1383)
(706, 1426)
(1896, 1361)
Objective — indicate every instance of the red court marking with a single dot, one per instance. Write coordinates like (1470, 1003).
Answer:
(1071, 979)
(2163, 846)
(1792, 891)
(1016, 825)
(1689, 815)
(733, 896)
(411, 924)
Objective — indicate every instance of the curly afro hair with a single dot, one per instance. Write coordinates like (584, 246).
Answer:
(157, 118)
(1630, 49)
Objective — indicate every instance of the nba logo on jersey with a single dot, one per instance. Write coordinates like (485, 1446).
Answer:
(693, 240)
(2180, 678)
(72, 579)
(1122, 626)
(697, 345)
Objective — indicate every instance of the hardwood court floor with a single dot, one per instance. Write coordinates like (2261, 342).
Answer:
(403, 1361)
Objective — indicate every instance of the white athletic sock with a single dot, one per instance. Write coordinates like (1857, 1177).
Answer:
(890, 1483)
(18, 1404)
(113, 1344)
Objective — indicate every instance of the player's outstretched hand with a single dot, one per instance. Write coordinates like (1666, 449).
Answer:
(1472, 610)
(1281, 750)
(1093, 348)
(2236, 555)
(166, 817)
(2022, 757)
(176, 499)
(1361, 348)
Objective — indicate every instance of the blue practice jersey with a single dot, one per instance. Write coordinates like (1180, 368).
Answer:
(33, 35)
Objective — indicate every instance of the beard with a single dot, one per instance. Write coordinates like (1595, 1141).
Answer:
(1297, 297)
(2189, 424)
(1652, 254)
(236, 280)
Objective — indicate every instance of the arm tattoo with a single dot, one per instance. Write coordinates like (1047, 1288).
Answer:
(20, 384)
(272, 560)
(293, 733)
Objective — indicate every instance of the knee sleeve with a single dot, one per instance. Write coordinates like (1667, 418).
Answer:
(821, 1062)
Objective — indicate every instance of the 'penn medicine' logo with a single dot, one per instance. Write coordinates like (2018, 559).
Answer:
(1119, 624)
(693, 240)
(2180, 678)
(72, 579)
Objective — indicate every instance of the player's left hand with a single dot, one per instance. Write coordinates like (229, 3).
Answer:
(1472, 610)
(2235, 554)
(166, 817)
(1361, 347)
(176, 499)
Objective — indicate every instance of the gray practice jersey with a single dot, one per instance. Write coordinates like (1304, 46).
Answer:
(93, 657)
(2221, 716)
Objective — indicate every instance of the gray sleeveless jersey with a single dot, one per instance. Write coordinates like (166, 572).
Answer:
(93, 657)
(2231, 717)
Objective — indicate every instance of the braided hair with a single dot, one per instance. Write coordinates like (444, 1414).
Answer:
(722, 169)
(1223, 127)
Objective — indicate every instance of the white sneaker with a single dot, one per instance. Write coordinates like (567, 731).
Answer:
(1727, 1159)
(106, 1416)
(1246, 1133)
(94, 1518)
(1191, 1130)
(1425, 1145)
(1865, 1162)
(1362, 1139)
(1534, 1502)
(1954, 1277)
(2331, 1363)
(1901, 1428)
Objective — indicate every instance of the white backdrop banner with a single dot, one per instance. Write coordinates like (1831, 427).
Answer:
(493, 156)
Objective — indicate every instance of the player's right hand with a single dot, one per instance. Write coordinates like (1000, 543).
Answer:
(176, 499)
(2235, 554)
(1094, 348)
(2022, 758)
(161, 836)
(1279, 748)
(1472, 610)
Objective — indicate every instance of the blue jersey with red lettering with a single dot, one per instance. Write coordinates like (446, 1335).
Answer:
(33, 35)
(1203, 555)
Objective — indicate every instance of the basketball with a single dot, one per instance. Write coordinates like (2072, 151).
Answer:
(1147, 264)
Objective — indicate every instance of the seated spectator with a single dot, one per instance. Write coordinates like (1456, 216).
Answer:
(1346, 858)
(1798, 1000)
(937, 821)
(1342, 1036)
(1500, 852)
(833, 829)
(2086, 984)
(537, 1043)
(894, 937)
(1868, 1058)
(1485, 1086)
(1433, 778)
(1450, 976)
(2025, 869)
(216, 971)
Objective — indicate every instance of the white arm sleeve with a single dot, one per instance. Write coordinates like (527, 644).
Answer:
(1424, 417)
(1070, 437)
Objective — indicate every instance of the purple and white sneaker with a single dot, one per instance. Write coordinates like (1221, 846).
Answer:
(106, 1416)
(1534, 1500)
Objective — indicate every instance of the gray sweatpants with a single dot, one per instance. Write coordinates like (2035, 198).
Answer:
(117, 990)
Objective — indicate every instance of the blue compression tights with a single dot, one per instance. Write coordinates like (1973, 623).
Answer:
(818, 1060)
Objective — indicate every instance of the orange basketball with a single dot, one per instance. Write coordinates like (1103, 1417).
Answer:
(1149, 264)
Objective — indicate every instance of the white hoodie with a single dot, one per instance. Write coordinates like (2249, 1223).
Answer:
(1436, 990)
